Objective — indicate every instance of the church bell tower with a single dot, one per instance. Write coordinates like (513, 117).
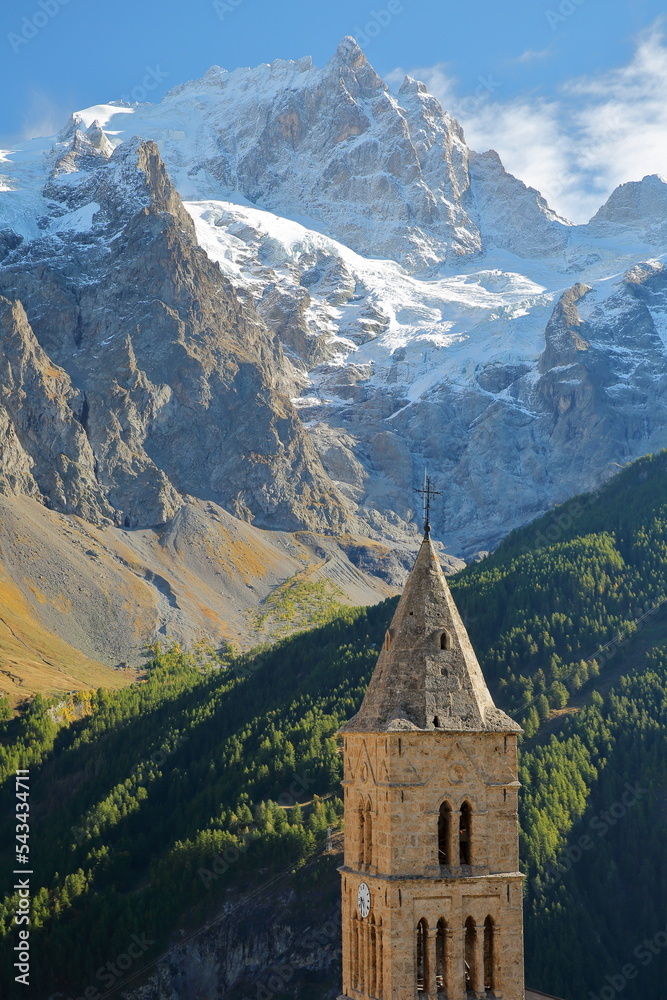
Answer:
(431, 887)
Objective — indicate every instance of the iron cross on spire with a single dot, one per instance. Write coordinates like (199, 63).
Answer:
(427, 493)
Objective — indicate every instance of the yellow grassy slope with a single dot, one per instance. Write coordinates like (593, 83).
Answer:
(35, 661)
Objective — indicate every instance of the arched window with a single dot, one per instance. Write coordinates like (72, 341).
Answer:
(362, 833)
(363, 955)
(444, 834)
(441, 958)
(422, 955)
(355, 952)
(388, 636)
(465, 835)
(379, 976)
(445, 641)
(368, 828)
(470, 941)
(489, 957)
(372, 972)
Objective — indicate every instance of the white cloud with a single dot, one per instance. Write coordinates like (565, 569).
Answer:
(597, 132)
(530, 55)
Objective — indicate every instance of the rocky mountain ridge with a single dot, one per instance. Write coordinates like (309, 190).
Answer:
(284, 291)
(149, 368)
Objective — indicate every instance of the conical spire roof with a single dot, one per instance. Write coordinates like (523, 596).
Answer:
(427, 676)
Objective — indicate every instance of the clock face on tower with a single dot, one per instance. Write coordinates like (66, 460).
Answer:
(364, 900)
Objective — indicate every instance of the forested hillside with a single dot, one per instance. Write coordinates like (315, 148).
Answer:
(137, 795)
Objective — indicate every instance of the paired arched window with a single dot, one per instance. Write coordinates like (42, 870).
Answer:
(480, 966)
(367, 956)
(434, 975)
(431, 958)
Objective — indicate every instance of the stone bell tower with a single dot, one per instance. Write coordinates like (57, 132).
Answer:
(431, 887)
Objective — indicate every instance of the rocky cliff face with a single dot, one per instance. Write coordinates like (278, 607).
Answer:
(638, 208)
(49, 455)
(386, 176)
(389, 176)
(514, 393)
(264, 944)
(139, 365)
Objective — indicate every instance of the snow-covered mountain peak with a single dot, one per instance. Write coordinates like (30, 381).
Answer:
(75, 121)
(349, 53)
(412, 86)
(262, 81)
(637, 205)
(387, 175)
(349, 62)
(80, 148)
(425, 304)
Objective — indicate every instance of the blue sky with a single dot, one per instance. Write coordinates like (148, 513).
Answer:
(526, 76)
